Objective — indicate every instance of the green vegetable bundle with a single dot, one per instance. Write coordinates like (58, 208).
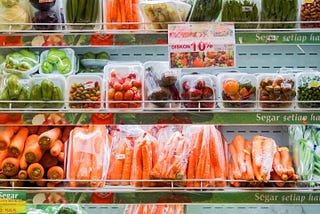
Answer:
(279, 11)
(240, 11)
(305, 141)
(82, 11)
(205, 10)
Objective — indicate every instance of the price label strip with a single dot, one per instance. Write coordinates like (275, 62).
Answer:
(13, 202)
(201, 45)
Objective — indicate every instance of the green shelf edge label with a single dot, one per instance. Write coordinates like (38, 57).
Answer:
(13, 202)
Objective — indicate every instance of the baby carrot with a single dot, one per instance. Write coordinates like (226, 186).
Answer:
(17, 143)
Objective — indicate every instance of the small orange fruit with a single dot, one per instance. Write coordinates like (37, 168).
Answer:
(231, 86)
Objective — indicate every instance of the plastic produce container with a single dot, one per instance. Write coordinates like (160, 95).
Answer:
(124, 85)
(46, 12)
(117, 16)
(198, 91)
(90, 17)
(84, 91)
(308, 90)
(237, 88)
(15, 15)
(58, 61)
(161, 85)
(276, 91)
(22, 63)
(310, 12)
(241, 11)
(49, 89)
(160, 13)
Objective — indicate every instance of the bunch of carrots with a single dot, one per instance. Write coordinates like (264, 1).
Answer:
(123, 12)
(207, 159)
(33, 153)
(154, 209)
(258, 161)
(87, 156)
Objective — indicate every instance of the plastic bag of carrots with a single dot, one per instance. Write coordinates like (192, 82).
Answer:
(173, 157)
(121, 14)
(207, 163)
(258, 161)
(87, 156)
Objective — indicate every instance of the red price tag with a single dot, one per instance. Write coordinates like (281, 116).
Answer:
(201, 46)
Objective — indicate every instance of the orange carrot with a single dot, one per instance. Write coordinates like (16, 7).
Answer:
(134, 16)
(277, 179)
(22, 174)
(136, 170)
(41, 183)
(48, 161)
(47, 138)
(276, 164)
(248, 160)
(35, 171)
(118, 165)
(60, 157)
(66, 133)
(5, 137)
(231, 174)
(52, 184)
(16, 145)
(191, 168)
(238, 141)
(15, 181)
(257, 156)
(235, 172)
(85, 162)
(108, 14)
(10, 166)
(3, 155)
(217, 156)
(32, 151)
(126, 171)
(269, 148)
(146, 165)
(55, 173)
(286, 162)
(56, 148)
(200, 167)
(114, 10)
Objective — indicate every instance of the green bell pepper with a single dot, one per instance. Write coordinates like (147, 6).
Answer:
(47, 67)
(64, 65)
(46, 89)
(55, 55)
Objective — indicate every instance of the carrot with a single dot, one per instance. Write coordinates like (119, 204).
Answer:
(191, 168)
(269, 148)
(48, 161)
(257, 156)
(277, 179)
(217, 156)
(126, 171)
(248, 160)
(10, 166)
(136, 170)
(238, 141)
(60, 157)
(22, 174)
(200, 167)
(56, 148)
(15, 182)
(85, 162)
(3, 155)
(108, 14)
(35, 171)
(114, 10)
(276, 164)
(5, 137)
(16, 145)
(146, 165)
(32, 151)
(129, 8)
(235, 172)
(52, 184)
(118, 165)
(286, 162)
(33, 129)
(66, 133)
(55, 173)
(43, 129)
(41, 183)
(231, 174)
(134, 16)
(47, 138)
